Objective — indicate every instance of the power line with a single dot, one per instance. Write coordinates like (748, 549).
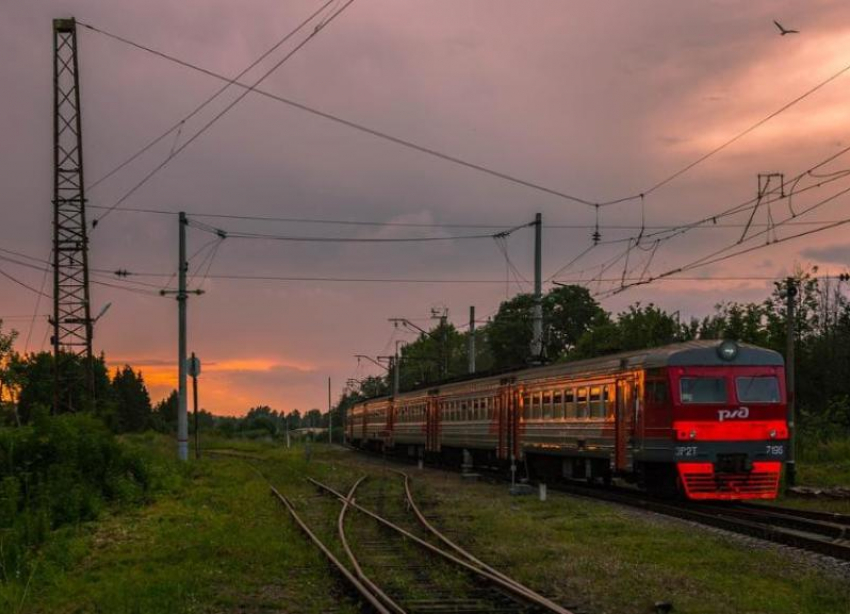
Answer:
(471, 165)
(746, 206)
(363, 128)
(719, 255)
(470, 225)
(37, 304)
(221, 113)
(732, 140)
(179, 125)
(21, 283)
(301, 239)
(399, 280)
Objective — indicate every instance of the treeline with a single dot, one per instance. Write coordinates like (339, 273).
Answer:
(263, 421)
(575, 326)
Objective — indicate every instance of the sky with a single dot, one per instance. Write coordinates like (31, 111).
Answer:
(596, 100)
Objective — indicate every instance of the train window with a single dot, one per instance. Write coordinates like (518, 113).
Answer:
(536, 408)
(607, 398)
(557, 405)
(526, 406)
(757, 389)
(581, 403)
(569, 403)
(547, 405)
(703, 390)
(597, 405)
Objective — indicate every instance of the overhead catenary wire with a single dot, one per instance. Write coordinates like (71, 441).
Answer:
(746, 206)
(179, 125)
(731, 140)
(220, 114)
(354, 125)
(471, 165)
(724, 254)
(14, 279)
(40, 294)
(376, 223)
(229, 233)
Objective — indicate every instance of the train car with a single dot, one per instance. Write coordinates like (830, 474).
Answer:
(705, 419)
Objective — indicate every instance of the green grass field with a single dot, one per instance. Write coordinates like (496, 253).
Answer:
(215, 541)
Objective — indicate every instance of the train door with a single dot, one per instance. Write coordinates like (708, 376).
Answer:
(432, 425)
(514, 416)
(624, 423)
(502, 404)
(389, 429)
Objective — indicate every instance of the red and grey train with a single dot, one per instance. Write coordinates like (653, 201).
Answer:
(706, 419)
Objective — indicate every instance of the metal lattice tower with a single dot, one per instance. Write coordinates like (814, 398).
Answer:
(72, 323)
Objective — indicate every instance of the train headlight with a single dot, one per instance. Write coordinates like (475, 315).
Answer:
(728, 350)
(773, 433)
(692, 435)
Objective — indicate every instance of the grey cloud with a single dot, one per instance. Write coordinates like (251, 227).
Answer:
(596, 99)
(834, 254)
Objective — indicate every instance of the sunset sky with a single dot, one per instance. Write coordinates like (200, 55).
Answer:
(598, 100)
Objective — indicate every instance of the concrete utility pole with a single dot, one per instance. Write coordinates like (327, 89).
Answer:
(182, 416)
(396, 372)
(791, 333)
(182, 294)
(472, 339)
(330, 415)
(537, 314)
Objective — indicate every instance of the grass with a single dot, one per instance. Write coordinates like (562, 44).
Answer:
(217, 543)
(214, 541)
(608, 559)
(822, 464)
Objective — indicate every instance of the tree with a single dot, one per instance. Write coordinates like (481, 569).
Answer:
(262, 417)
(568, 313)
(312, 419)
(133, 403)
(164, 418)
(293, 420)
(9, 376)
(634, 329)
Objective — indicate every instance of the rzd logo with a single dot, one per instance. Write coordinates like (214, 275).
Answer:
(741, 413)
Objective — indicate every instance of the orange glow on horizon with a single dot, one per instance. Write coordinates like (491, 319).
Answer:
(219, 395)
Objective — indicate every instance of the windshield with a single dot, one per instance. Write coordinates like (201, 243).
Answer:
(703, 390)
(757, 389)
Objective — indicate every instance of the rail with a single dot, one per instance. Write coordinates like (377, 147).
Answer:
(512, 587)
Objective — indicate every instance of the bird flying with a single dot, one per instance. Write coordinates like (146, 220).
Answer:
(783, 31)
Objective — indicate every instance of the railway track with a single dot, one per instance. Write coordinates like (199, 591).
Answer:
(409, 573)
(822, 533)
(411, 569)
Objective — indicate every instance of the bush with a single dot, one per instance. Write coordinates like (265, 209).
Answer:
(60, 471)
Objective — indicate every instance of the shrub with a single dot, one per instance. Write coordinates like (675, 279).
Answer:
(58, 471)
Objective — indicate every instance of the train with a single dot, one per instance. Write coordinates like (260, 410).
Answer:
(702, 420)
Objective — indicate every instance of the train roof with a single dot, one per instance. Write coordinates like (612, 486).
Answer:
(702, 353)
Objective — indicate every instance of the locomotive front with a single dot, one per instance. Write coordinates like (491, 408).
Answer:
(729, 421)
